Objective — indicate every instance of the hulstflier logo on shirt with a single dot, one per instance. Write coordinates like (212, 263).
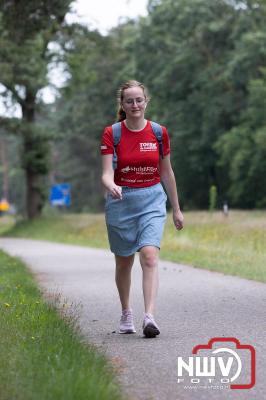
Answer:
(139, 170)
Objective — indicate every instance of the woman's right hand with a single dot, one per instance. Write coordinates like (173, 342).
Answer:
(108, 177)
(115, 191)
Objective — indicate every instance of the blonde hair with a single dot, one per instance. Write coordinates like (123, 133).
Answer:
(121, 115)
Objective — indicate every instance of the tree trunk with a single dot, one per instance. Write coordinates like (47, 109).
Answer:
(34, 198)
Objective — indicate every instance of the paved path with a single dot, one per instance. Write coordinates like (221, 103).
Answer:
(193, 306)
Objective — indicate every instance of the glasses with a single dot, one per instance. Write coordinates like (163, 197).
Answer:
(138, 101)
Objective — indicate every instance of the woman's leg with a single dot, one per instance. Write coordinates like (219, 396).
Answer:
(149, 256)
(123, 278)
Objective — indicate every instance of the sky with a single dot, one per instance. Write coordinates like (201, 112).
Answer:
(97, 14)
(105, 14)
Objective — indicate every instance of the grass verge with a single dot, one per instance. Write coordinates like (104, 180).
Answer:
(234, 245)
(43, 355)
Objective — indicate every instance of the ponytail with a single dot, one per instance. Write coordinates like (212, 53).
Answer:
(121, 115)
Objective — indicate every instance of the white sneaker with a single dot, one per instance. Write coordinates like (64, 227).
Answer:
(150, 328)
(126, 322)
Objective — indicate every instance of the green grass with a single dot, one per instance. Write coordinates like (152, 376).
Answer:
(43, 355)
(234, 245)
(6, 223)
(80, 229)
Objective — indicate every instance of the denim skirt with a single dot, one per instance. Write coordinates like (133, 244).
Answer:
(137, 220)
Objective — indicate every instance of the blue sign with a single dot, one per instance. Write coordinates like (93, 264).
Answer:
(60, 195)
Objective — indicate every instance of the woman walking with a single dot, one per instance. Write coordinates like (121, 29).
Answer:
(136, 202)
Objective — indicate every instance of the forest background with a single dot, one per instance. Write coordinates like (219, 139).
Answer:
(204, 62)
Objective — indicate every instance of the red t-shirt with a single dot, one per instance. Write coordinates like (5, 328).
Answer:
(138, 155)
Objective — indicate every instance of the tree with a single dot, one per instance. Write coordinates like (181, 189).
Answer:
(27, 31)
(242, 149)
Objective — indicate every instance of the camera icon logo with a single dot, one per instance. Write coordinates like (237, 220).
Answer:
(222, 361)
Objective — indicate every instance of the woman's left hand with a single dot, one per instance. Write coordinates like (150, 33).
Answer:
(178, 219)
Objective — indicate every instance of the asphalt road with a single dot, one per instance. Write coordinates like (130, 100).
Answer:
(193, 306)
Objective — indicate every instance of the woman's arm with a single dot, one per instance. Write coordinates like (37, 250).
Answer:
(168, 179)
(108, 177)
